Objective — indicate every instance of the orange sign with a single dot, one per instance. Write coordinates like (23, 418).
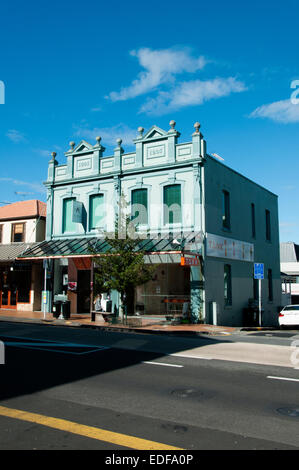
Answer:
(190, 260)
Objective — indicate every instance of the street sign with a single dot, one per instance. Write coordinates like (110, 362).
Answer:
(258, 271)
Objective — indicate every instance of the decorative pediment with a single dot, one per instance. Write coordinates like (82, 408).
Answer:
(154, 133)
(83, 146)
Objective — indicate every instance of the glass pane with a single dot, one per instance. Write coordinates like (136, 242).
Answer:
(139, 205)
(13, 297)
(68, 225)
(172, 204)
(4, 296)
(225, 209)
(96, 211)
(227, 285)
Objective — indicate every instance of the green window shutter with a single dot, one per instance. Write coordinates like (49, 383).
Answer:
(96, 211)
(67, 218)
(139, 205)
(172, 204)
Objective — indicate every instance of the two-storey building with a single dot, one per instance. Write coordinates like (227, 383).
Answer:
(205, 225)
(22, 224)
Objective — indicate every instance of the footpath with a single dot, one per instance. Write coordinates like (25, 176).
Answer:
(144, 324)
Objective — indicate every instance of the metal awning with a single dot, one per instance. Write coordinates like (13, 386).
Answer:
(9, 252)
(85, 247)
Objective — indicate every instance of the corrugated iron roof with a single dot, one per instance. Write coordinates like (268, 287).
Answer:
(289, 252)
(13, 250)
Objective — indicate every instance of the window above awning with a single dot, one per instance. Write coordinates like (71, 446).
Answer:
(85, 247)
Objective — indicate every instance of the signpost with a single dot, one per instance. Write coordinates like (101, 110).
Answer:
(259, 274)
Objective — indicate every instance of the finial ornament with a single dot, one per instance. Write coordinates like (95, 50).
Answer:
(98, 139)
(72, 145)
(119, 141)
(140, 130)
(172, 124)
(53, 155)
(197, 126)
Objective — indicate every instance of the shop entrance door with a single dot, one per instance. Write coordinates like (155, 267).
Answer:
(8, 298)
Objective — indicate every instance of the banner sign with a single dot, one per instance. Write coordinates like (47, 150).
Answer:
(222, 247)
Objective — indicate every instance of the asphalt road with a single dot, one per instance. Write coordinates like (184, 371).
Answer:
(107, 382)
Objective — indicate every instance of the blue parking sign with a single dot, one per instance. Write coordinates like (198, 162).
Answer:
(258, 271)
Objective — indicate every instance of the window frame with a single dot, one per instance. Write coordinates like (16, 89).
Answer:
(13, 233)
(166, 220)
(133, 216)
(268, 225)
(226, 212)
(90, 213)
(64, 201)
(228, 291)
(270, 285)
(253, 224)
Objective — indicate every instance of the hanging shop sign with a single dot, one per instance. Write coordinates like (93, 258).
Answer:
(190, 260)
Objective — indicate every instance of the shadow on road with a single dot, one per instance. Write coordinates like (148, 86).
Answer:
(29, 369)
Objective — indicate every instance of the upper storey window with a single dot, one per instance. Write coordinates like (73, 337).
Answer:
(140, 206)
(96, 211)
(172, 204)
(268, 225)
(67, 217)
(225, 209)
(18, 233)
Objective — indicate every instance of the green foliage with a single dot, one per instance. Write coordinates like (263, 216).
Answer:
(122, 267)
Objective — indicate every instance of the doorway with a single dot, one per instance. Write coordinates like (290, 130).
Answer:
(83, 291)
(9, 291)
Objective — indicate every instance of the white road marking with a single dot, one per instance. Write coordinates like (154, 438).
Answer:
(190, 356)
(282, 378)
(161, 364)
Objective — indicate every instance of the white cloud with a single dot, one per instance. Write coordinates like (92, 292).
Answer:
(191, 93)
(37, 187)
(280, 111)
(109, 135)
(160, 66)
(15, 136)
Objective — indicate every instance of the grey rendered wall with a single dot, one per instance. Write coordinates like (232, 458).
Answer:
(243, 192)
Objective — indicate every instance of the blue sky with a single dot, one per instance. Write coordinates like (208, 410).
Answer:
(74, 70)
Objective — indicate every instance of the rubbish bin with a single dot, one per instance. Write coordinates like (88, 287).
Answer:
(66, 309)
(56, 308)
